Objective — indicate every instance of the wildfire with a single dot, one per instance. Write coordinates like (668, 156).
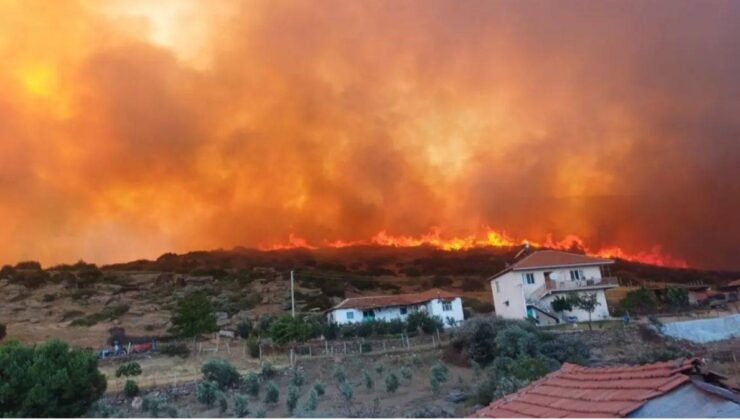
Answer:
(488, 238)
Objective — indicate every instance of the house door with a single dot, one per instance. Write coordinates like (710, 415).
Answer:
(368, 315)
(549, 283)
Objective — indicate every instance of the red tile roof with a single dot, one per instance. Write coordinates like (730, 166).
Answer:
(548, 258)
(735, 283)
(369, 302)
(576, 391)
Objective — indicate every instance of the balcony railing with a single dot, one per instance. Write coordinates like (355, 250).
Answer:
(573, 285)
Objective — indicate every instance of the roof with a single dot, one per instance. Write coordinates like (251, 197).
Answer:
(549, 258)
(368, 302)
(735, 283)
(576, 391)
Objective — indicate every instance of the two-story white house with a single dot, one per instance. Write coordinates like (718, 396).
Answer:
(527, 288)
(435, 302)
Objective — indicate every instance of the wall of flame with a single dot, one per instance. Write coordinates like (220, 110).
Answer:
(131, 128)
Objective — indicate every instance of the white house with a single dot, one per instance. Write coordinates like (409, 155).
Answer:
(435, 302)
(527, 288)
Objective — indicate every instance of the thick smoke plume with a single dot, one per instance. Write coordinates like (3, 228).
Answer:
(133, 128)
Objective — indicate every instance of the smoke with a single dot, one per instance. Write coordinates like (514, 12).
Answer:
(129, 129)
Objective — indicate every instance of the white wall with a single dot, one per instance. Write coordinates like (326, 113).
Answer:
(433, 307)
(508, 300)
(601, 311)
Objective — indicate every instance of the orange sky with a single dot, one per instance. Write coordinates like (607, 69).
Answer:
(133, 128)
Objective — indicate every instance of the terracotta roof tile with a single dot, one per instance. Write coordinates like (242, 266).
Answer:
(368, 302)
(576, 391)
(549, 258)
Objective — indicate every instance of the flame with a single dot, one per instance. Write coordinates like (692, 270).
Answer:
(488, 238)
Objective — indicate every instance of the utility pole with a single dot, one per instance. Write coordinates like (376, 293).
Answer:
(292, 294)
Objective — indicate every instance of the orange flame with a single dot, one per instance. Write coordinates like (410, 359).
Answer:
(489, 238)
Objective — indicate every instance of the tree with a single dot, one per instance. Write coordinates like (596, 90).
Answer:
(639, 301)
(48, 380)
(272, 394)
(587, 302)
(287, 329)
(221, 372)
(128, 370)
(677, 297)
(297, 378)
(391, 382)
(561, 304)
(291, 401)
(312, 403)
(207, 393)
(130, 389)
(244, 328)
(241, 406)
(194, 316)
(252, 384)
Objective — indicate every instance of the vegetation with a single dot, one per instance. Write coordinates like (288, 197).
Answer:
(48, 380)
(267, 371)
(287, 329)
(677, 297)
(440, 372)
(272, 394)
(172, 350)
(193, 316)
(241, 406)
(244, 329)
(253, 346)
(367, 379)
(391, 382)
(207, 393)
(406, 372)
(128, 370)
(638, 301)
(586, 302)
(291, 401)
(297, 377)
(222, 373)
(319, 388)
(130, 389)
(252, 384)
(108, 313)
(151, 405)
(561, 304)
(345, 389)
(312, 403)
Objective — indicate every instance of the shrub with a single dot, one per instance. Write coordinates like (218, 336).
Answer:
(662, 354)
(440, 372)
(151, 405)
(128, 370)
(33, 379)
(272, 394)
(221, 372)
(28, 265)
(252, 384)
(515, 341)
(366, 348)
(434, 384)
(105, 411)
(379, 367)
(561, 303)
(223, 403)
(312, 403)
(253, 346)
(244, 328)
(267, 371)
(367, 379)
(339, 374)
(291, 401)
(319, 388)
(207, 392)
(193, 316)
(130, 389)
(260, 414)
(391, 382)
(345, 388)
(566, 348)
(641, 301)
(173, 350)
(406, 372)
(298, 378)
(241, 406)
(677, 297)
(421, 320)
(287, 329)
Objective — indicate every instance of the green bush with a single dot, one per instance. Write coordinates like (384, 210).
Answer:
(420, 320)
(223, 403)
(566, 348)
(379, 367)
(130, 389)
(406, 372)
(319, 388)
(440, 372)
(297, 377)
(639, 301)
(340, 374)
(128, 370)
(287, 329)
(515, 341)
(345, 389)
(193, 316)
(173, 350)
(241, 406)
(151, 405)
(253, 346)
(207, 393)
(102, 410)
(48, 380)
(291, 401)
(252, 384)
(367, 379)
(222, 373)
(434, 384)
(244, 328)
(272, 394)
(391, 382)
(312, 403)
(677, 297)
(267, 371)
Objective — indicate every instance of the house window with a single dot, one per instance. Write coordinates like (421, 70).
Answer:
(404, 311)
(576, 275)
(350, 315)
(368, 314)
(529, 278)
(447, 306)
(498, 289)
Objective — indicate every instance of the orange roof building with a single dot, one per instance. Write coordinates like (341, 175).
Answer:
(665, 389)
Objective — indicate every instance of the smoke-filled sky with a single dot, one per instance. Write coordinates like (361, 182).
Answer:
(132, 128)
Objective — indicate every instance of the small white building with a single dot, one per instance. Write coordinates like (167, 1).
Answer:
(435, 302)
(527, 288)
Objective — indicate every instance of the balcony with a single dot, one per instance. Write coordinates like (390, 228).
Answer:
(552, 286)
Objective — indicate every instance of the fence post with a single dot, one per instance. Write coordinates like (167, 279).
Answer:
(260, 346)
(345, 347)
(433, 343)
(383, 346)
(310, 352)
(326, 346)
